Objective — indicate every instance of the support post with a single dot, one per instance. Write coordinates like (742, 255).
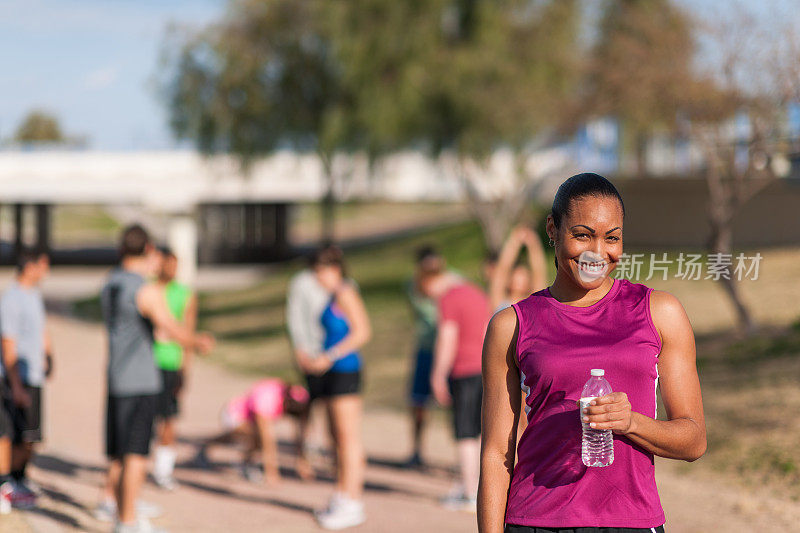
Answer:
(43, 228)
(182, 239)
(18, 228)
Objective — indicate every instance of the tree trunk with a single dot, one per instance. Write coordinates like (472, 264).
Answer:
(497, 217)
(492, 217)
(721, 219)
(722, 243)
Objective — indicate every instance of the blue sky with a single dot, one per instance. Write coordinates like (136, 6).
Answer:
(92, 63)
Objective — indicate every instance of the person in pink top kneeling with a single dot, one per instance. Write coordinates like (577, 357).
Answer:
(250, 418)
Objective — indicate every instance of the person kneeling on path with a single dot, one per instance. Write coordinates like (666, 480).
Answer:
(250, 418)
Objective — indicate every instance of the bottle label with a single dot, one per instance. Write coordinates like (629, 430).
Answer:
(585, 403)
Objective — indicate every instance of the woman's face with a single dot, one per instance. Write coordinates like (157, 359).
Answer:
(329, 276)
(589, 241)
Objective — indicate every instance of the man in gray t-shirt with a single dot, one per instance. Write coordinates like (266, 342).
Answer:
(132, 306)
(131, 367)
(25, 362)
(22, 319)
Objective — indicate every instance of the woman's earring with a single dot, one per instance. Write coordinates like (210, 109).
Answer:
(552, 243)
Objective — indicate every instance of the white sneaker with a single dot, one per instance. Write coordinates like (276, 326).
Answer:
(333, 503)
(6, 489)
(142, 525)
(106, 510)
(167, 483)
(342, 513)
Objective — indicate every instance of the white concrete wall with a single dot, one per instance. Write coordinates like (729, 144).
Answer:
(177, 181)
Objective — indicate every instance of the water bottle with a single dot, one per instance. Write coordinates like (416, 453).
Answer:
(597, 445)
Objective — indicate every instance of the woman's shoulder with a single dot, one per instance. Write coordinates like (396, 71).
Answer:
(347, 288)
(664, 306)
(531, 302)
(504, 322)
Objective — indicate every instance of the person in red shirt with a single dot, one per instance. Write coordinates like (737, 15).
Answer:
(464, 313)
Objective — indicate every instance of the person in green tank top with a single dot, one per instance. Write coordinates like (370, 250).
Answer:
(174, 363)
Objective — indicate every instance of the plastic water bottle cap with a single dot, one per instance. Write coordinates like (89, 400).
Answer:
(598, 372)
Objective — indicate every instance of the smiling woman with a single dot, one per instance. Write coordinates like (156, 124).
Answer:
(585, 320)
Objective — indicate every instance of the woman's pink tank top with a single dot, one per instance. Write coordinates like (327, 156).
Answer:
(557, 346)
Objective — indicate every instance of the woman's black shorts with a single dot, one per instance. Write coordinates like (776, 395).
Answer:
(333, 384)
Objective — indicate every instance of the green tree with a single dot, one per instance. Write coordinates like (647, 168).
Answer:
(39, 126)
(640, 68)
(262, 78)
(463, 77)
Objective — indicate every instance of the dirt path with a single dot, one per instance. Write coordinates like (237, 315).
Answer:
(70, 468)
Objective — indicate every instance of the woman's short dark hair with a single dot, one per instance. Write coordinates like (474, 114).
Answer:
(579, 186)
(327, 256)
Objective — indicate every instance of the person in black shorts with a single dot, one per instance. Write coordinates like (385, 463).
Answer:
(26, 364)
(132, 307)
(174, 363)
(463, 311)
(334, 375)
(425, 318)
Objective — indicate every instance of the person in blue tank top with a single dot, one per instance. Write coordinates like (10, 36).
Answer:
(336, 327)
(334, 376)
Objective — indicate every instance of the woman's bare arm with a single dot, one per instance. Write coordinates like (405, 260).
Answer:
(536, 261)
(269, 449)
(501, 411)
(498, 285)
(683, 434)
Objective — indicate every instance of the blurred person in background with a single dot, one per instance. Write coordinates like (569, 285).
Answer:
(464, 312)
(425, 317)
(250, 419)
(27, 361)
(510, 281)
(306, 300)
(132, 308)
(334, 376)
(174, 363)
